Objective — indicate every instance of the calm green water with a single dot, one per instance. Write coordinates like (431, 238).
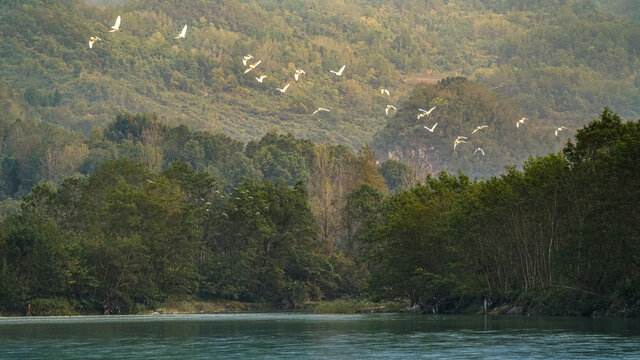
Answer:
(308, 336)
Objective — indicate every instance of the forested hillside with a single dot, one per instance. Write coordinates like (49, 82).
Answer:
(561, 61)
(462, 106)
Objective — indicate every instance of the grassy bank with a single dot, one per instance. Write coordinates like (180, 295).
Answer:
(358, 307)
(206, 307)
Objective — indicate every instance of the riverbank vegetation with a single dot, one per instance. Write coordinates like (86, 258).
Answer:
(288, 222)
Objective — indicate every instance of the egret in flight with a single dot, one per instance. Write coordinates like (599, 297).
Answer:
(320, 109)
(116, 26)
(479, 128)
(479, 149)
(246, 58)
(427, 112)
(284, 89)
(339, 72)
(183, 33)
(560, 129)
(92, 40)
(261, 78)
(432, 128)
(389, 107)
(458, 141)
(384, 92)
(253, 66)
(298, 73)
(521, 121)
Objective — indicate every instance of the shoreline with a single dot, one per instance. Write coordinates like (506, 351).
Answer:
(340, 306)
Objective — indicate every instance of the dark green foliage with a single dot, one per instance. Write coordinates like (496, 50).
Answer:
(134, 127)
(562, 232)
(397, 175)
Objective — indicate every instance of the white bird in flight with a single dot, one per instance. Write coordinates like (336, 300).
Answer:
(284, 89)
(427, 112)
(384, 91)
(560, 129)
(479, 128)
(339, 72)
(253, 66)
(521, 121)
(421, 115)
(261, 78)
(298, 73)
(320, 109)
(116, 26)
(432, 128)
(246, 58)
(389, 107)
(183, 33)
(92, 40)
(458, 141)
(479, 149)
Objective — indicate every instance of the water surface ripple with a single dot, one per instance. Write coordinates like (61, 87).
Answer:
(310, 336)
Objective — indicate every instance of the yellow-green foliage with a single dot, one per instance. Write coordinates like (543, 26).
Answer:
(562, 61)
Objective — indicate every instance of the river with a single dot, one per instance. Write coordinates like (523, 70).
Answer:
(310, 336)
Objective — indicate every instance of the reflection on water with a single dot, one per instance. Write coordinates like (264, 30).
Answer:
(309, 336)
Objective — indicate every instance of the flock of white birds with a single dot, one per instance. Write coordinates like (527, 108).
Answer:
(299, 72)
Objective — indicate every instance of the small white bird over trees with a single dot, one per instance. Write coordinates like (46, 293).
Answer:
(479, 149)
(320, 109)
(479, 128)
(432, 128)
(261, 78)
(298, 73)
(92, 40)
(458, 141)
(284, 89)
(521, 121)
(246, 58)
(560, 129)
(339, 72)
(116, 26)
(427, 112)
(389, 107)
(253, 66)
(384, 92)
(183, 33)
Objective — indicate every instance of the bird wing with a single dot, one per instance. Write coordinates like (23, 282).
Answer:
(117, 24)
(184, 31)
(90, 44)
(249, 69)
(315, 112)
(341, 69)
(387, 110)
(296, 75)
